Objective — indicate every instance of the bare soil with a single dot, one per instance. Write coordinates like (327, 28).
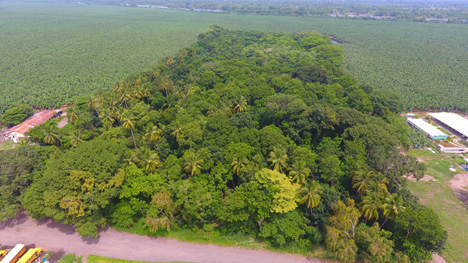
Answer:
(459, 184)
(437, 259)
(62, 123)
(54, 236)
(426, 178)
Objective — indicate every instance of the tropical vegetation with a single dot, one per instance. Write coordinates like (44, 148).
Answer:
(259, 134)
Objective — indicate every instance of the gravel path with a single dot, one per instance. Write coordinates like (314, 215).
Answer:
(110, 243)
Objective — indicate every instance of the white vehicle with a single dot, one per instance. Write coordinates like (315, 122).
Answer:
(14, 254)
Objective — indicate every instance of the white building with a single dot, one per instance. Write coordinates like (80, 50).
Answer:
(452, 122)
(431, 131)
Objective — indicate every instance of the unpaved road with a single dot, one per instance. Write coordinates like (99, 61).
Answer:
(111, 243)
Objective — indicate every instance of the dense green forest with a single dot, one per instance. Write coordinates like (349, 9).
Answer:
(55, 53)
(248, 133)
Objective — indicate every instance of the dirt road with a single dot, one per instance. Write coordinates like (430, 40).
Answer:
(110, 243)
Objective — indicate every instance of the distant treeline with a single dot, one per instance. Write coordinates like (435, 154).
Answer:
(449, 11)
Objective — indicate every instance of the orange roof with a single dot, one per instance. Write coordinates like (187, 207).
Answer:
(36, 119)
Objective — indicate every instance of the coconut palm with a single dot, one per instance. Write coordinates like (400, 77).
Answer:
(145, 93)
(107, 119)
(166, 84)
(128, 123)
(177, 132)
(299, 172)
(153, 134)
(119, 88)
(311, 195)
(50, 137)
(138, 94)
(240, 105)
(131, 158)
(361, 180)
(381, 181)
(192, 164)
(125, 97)
(73, 117)
(75, 138)
(278, 159)
(238, 164)
(370, 206)
(392, 206)
(148, 159)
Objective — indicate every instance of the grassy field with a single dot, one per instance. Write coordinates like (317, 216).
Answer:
(53, 53)
(224, 239)
(439, 194)
(71, 258)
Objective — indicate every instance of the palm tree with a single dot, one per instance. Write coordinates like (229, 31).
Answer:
(192, 164)
(370, 206)
(238, 164)
(119, 88)
(153, 133)
(311, 195)
(202, 121)
(392, 206)
(278, 159)
(240, 105)
(362, 180)
(148, 159)
(145, 93)
(92, 104)
(381, 181)
(75, 138)
(299, 172)
(73, 117)
(118, 114)
(138, 94)
(129, 124)
(177, 129)
(166, 85)
(131, 158)
(51, 137)
(107, 118)
(126, 96)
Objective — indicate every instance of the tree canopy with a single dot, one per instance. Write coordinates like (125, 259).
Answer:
(252, 133)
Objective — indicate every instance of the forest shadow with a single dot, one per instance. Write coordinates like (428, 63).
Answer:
(18, 220)
(463, 196)
(56, 256)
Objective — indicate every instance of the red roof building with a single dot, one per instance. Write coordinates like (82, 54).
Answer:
(18, 131)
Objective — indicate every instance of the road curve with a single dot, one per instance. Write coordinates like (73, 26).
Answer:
(111, 243)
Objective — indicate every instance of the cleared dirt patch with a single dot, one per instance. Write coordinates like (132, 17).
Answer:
(62, 123)
(437, 259)
(459, 184)
(110, 243)
(426, 178)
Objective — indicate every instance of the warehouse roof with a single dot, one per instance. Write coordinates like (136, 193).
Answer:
(427, 128)
(454, 121)
(36, 119)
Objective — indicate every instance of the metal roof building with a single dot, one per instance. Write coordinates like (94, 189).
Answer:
(454, 122)
(431, 131)
(18, 131)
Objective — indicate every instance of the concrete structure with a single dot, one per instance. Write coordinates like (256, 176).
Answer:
(451, 149)
(431, 131)
(17, 132)
(452, 122)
